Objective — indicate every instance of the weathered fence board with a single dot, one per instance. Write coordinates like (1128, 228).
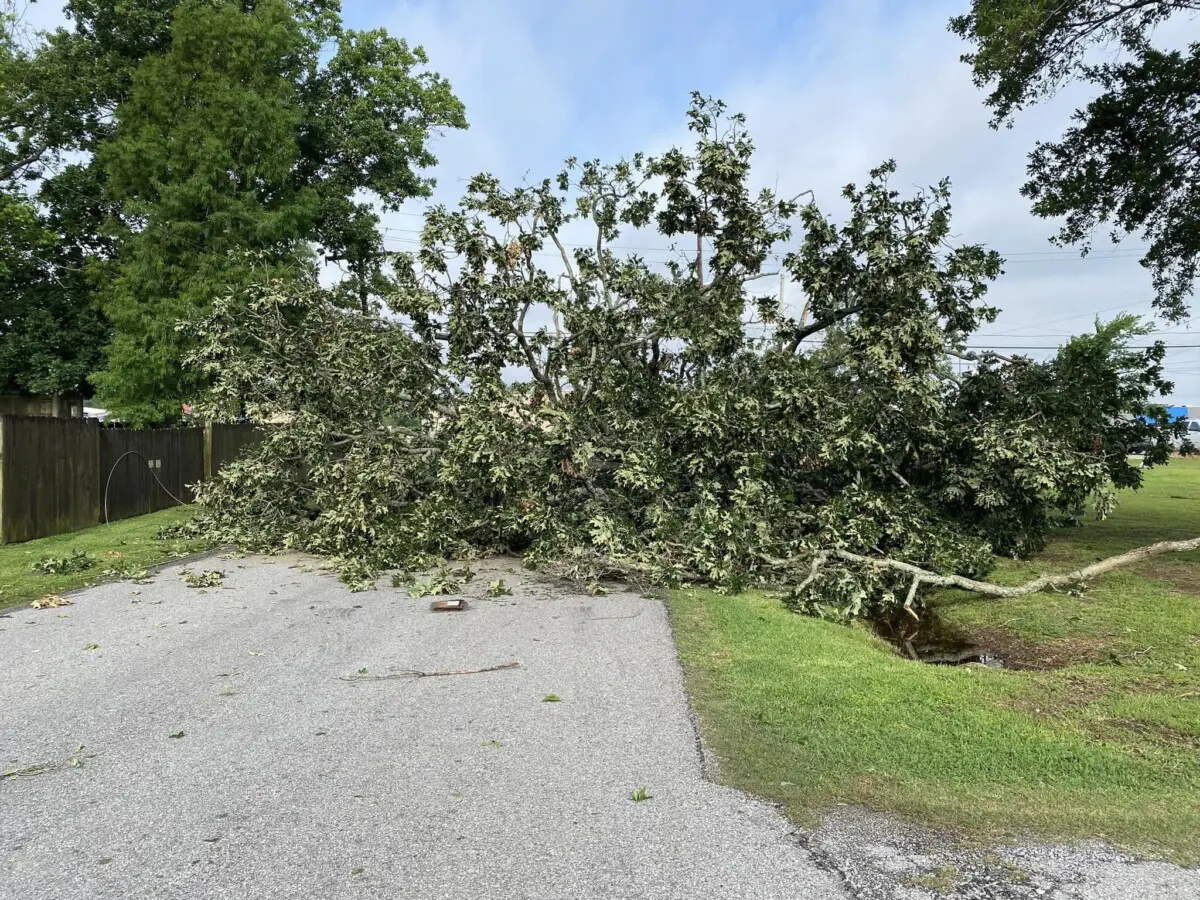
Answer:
(145, 471)
(49, 476)
(59, 475)
(225, 442)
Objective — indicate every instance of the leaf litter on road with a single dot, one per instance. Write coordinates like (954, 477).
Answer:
(51, 601)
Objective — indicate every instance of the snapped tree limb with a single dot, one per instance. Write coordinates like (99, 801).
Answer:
(924, 576)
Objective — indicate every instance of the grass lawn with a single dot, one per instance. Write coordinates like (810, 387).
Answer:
(1101, 738)
(127, 546)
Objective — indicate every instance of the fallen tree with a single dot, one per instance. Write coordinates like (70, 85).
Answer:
(599, 413)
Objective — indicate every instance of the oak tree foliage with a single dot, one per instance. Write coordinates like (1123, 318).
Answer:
(673, 422)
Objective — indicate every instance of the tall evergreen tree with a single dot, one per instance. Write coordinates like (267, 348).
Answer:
(207, 141)
(202, 159)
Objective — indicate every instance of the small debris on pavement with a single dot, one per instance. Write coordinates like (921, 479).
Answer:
(51, 601)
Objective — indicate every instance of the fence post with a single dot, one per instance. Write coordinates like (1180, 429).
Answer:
(3, 435)
(208, 451)
(98, 498)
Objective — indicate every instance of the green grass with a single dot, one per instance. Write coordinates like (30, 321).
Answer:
(129, 544)
(812, 714)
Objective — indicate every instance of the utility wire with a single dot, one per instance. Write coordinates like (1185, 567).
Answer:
(1066, 255)
(108, 481)
(1057, 347)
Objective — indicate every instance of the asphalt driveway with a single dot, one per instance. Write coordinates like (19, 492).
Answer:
(225, 755)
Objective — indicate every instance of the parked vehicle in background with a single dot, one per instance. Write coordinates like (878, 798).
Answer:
(1193, 435)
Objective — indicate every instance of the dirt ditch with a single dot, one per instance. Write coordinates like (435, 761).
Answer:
(933, 641)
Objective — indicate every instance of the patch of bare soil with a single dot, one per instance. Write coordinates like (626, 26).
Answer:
(933, 641)
(1059, 653)
(1181, 574)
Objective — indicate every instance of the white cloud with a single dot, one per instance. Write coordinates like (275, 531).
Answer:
(859, 83)
(845, 85)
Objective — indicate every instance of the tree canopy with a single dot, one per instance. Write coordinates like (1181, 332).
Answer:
(674, 422)
(1128, 161)
(50, 330)
(200, 134)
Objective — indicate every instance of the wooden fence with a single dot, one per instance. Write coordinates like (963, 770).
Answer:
(59, 475)
(49, 476)
(145, 471)
(222, 443)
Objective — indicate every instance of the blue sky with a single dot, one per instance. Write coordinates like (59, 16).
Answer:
(831, 88)
(612, 68)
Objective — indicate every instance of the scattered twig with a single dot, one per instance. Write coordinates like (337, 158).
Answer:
(206, 579)
(74, 761)
(604, 618)
(413, 673)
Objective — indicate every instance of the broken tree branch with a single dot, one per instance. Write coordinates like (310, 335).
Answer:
(912, 595)
(413, 673)
(924, 576)
(972, 356)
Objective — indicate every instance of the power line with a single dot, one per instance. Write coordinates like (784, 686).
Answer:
(1080, 315)
(1038, 337)
(1063, 255)
(1059, 347)
(765, 326)
(1076, 253)
(1061, 259)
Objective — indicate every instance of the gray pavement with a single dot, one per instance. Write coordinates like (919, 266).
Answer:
(882, 857)
(224, 758)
